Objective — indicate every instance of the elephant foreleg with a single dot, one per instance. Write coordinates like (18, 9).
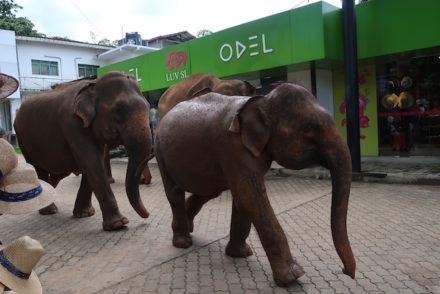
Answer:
(146, 176)
(253, 201)
(194, 204)
(240, 229)
(107, 165)
(83, 203)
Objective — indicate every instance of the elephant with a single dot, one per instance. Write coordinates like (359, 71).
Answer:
(64, 131)
(198, 84)
(214, 143)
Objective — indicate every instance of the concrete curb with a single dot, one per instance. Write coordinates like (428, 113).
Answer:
(394, 177)
(367, 177)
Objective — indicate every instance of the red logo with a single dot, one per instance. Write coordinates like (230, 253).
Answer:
(175, 59)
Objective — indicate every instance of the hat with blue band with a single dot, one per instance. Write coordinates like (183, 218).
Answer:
(8, 158)
(17, 262)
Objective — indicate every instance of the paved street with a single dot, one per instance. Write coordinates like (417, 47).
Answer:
(394, 231)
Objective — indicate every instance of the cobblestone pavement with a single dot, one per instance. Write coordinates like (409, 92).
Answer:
(394, 231)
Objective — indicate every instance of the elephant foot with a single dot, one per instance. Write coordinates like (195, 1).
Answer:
(115, 223)
(50, 209)
(80, 213)
(243, 250)
(191, 225)
(287, 275)
(111, 180)
(180, 241)
(145, 181)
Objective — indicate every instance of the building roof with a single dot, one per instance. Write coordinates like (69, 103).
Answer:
(119, 52)
(177, 37)
(62, 41)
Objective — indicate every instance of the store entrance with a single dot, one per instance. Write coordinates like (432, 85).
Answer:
(409, 106)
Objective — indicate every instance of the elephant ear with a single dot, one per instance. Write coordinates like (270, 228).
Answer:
(203, 86)
(253, 125)
(84, 106)
(250, 89)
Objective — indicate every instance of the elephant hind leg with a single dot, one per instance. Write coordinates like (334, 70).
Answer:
(194, 204)
(176, 198)
(146, 176)
(83, 203)
(45, 176)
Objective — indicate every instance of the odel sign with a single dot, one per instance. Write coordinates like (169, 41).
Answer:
(227, 51)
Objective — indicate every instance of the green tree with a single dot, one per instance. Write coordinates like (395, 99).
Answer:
(22, 26)
(203, 32)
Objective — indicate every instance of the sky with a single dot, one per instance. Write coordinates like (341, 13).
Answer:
(93, 20)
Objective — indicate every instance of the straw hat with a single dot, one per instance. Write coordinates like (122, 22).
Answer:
(389, 101)
(406, 100)
(17, 261)
(8, 85)
(8, 158)
(20, 190)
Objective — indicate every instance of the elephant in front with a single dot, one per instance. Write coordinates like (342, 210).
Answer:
(213, 143)
(199, 84)
(64, 131)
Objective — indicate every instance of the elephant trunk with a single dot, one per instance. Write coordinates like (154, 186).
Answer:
(138, 147)
(339, 163)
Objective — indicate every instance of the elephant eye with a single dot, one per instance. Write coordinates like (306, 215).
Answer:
(312, 127)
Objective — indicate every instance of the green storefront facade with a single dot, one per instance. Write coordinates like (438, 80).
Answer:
(399, 66)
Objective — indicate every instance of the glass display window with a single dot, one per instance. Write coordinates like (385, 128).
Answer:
(408, 94)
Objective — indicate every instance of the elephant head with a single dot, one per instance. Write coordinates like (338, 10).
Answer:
(117, 113)
(289, 126)
(199, 84)
(210, 83)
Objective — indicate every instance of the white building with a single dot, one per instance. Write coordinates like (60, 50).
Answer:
(8, 65)
(39, 63)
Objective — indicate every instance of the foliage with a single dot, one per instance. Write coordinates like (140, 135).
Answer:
(203, 32)
(107, 42)
(21, 25)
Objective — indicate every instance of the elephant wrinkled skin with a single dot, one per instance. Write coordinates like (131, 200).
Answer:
(213, 143)
(198, 84)
(65, 130)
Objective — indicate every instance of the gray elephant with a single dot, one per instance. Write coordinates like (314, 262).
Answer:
(64, 131)
(213, 143)
(198, 84)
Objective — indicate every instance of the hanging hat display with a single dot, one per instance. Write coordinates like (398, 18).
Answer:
(8, 85)
(406, 82)
(406, 100)
(389, 101)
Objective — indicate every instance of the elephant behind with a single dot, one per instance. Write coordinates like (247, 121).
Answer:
(198, 84)
(213, 143)
(64, 131)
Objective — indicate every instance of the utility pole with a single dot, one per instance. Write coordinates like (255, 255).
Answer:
(351, 82)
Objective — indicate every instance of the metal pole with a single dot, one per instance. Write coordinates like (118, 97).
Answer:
(351, 82)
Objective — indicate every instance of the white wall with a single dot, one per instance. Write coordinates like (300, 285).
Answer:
(8, 65)
(302, 77)
(67, 57)
(324, 89)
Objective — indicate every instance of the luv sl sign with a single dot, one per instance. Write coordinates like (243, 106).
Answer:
(176, 60)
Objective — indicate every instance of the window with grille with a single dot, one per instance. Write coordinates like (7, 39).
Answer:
(87, 70)
(44, 67)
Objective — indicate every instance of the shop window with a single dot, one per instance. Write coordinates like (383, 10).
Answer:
(87, 70)
(409, 106)
(44, 67)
